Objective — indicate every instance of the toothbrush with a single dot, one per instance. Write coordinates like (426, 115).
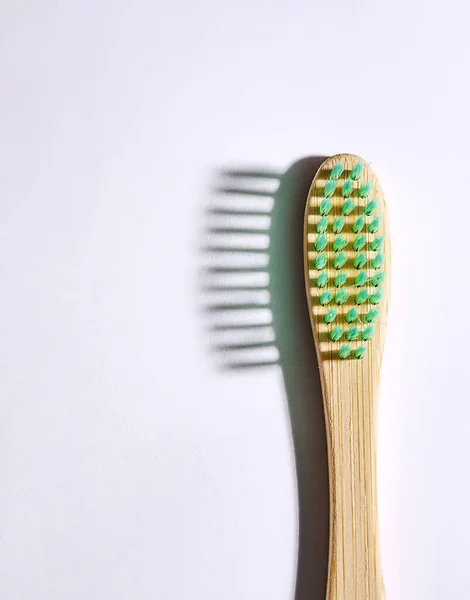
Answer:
(347, 274)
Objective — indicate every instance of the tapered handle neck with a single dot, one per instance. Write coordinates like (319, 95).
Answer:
(350, 409)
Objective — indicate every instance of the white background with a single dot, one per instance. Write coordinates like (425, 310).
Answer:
(130, 467)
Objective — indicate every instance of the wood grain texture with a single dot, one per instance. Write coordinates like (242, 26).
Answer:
(350, 393)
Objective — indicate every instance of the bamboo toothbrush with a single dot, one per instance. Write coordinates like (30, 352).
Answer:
(347, 260)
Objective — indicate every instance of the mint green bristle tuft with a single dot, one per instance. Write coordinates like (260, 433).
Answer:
(347, 188)
(377, 243)
(372, 315)
(325, 207)
(374, 225)
(320, 262)
(330, 188)
(344, 351)
(336, 334)
(352, 334)
(338, 224)
(360, 260)
(368, 333)
(361, 297)
(359, 352)
(361, 279)
(351, 315)
(365, 189)
(339, 244)
(359, 243)
(321, 242)
(356, 171)
(339, 260)
(340, 279)
(330, 316)
(348, 207)
(322, 225)
(370, 207)
(378, 279)
(358, 226)
(325, 298)
(378, 261)
(322, 280)
(376, 297)
(337, 171)
(341, 297)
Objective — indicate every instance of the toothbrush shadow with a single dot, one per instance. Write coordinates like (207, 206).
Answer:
(256, 296)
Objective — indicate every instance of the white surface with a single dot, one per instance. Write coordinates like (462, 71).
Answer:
(129, 467)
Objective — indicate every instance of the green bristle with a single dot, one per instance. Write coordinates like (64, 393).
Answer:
(368, 333)
(325, 207)
(344, 351)
(352, 334)
(320, 261)
(336, 334)
(330, 316)
(356, 171)
(330, 188)
(361, 279)
(340, 279)
(358, 226)
(365, 189)
(378, 279)
(376, 297)
(372, 315)
(359, 242)
(322, 280)
(322, 225)
(348, 207)
(339, 260)
(341, 297)
(338, 224)
(361, 297)
(347, 188)
(337, 171)
(360, 260)
(370, 207)
(325, 298)
(377, 243)
(339, 244)
(359, 352)
(374, 225)
(321, 242)
(378, 261)
(351, 315)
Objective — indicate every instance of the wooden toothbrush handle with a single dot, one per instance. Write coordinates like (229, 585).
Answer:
(354, 564)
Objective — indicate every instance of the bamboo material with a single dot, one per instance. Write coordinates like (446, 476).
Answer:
(350, 392)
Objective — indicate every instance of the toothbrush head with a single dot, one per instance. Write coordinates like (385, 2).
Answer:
(347, 257)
